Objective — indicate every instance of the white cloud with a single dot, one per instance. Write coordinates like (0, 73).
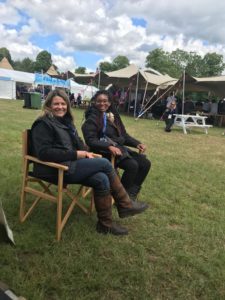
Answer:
(64, 63)
(105, 27)
(8, 14)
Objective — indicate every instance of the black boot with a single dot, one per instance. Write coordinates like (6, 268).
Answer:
(125, 206)
(103, 205)
(133, 192)
(113, 229)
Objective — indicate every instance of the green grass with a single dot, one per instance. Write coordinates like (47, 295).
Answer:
(175, 250)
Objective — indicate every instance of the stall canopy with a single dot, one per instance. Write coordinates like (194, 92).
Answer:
(17, 76)
(86, 91)
(215, 84)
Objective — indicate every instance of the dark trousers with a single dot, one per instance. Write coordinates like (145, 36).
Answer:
(135, 170)
(93, 172)
(169, 124)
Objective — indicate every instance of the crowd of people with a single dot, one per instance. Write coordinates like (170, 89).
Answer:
(75, 101)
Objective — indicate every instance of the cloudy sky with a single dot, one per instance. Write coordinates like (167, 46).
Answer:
(85, 32)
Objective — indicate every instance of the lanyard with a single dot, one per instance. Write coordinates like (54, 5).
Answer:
(104, 124)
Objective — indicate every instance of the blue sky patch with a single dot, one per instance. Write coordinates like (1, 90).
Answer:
(86, 59)
(46, 42)
(139, 22)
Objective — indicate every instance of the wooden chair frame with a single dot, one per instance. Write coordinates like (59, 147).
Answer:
(47, 194)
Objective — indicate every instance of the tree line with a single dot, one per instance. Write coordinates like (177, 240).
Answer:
(173, 64)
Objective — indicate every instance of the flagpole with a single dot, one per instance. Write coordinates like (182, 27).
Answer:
(99, 77)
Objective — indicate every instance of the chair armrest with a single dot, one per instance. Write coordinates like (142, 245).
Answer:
(46, 163)
(96, 155)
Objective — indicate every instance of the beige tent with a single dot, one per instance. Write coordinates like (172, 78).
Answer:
(215, 84)
(4, 64)
(133, 75)
(126, 76)
(52, 71)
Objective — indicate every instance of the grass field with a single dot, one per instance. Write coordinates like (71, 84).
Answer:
(175, 250)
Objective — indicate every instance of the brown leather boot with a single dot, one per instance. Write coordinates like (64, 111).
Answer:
(103, 205)
(125, 206)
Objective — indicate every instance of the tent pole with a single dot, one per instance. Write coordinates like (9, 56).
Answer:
(136, 94)
(183, 92)
(153, 102)
(143, 100)
(43, 88)
(99, 77)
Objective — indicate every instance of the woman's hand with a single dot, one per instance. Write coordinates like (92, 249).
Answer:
(115, 151)
(141, 148)
(84, 154)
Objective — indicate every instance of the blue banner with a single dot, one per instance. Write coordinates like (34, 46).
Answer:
(5, 78)
(45, 79)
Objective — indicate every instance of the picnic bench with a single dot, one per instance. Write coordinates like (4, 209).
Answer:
(191, 121)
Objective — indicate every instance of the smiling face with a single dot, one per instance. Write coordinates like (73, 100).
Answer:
(102, 102)
(58, 106)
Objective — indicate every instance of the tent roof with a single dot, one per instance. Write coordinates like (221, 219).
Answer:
(127, 72)
(158, 80)
(126, 76)
(215, 84)
(18, 76)
(211, 79)
(52, 71)
(4, 64)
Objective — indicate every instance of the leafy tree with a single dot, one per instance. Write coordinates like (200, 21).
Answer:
(179, 59)
(213, 64)
(80, 70)
(106, 66)
(4, 52)
(43, 61)
(120, 62)
(25, 65)
(173, 63)
(194, 66)
(158, 59)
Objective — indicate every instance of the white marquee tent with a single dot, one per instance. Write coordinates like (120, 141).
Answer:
(8, 79)
(86, 91)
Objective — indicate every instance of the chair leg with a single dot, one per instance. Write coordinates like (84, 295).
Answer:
(59, 206)
(23, 194)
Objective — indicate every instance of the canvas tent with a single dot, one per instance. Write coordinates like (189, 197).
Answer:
(52, 71)
(128, 75)
(4, 64)
(215, 84)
